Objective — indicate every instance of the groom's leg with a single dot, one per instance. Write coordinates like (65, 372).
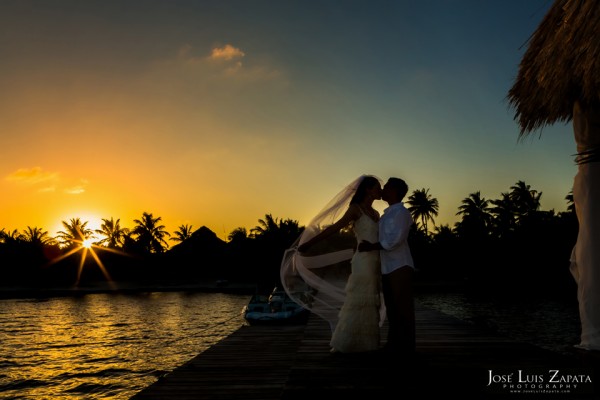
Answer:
(391, 312)
(402, 320)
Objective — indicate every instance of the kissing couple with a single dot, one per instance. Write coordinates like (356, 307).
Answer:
(356, 271)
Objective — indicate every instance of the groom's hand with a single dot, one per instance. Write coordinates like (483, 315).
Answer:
(365, 246)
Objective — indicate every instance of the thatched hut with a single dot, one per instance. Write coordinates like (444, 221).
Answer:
(560, 66)
(559, 80)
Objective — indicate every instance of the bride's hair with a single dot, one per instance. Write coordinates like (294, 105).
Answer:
(367, 183)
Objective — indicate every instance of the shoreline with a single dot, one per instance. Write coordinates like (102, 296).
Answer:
(248, 288)
(232, 287)
(120, 288)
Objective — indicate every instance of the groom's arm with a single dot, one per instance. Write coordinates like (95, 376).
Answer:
(368, 246)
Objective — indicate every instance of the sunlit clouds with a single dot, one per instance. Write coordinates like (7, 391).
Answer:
(32, 176)
(226, 53)
(45, 181)
(219, 62)
(77, 189)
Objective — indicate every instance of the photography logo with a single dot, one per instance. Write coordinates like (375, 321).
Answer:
(540, 381)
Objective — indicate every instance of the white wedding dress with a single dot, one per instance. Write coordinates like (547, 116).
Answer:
(358, 328)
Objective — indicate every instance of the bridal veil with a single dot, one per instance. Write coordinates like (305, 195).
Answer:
(317, 279)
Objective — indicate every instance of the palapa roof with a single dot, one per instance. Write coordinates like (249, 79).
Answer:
(560, 66)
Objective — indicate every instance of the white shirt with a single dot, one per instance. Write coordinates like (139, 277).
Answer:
(394, 227)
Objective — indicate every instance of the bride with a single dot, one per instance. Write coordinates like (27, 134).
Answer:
(324, 273)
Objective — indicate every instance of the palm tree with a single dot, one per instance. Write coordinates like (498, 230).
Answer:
(526, 200)
(10, 236)
(570, 201)
(423, 207)
(504, 212)
(37, 236)
(149, 234)
(75, 233)
(114, 235)
(238, 234)
(443, 232)
(183, 233)
(475, 215)
(266, 226)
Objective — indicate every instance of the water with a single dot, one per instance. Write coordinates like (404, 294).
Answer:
(545, 321)
(106, 346)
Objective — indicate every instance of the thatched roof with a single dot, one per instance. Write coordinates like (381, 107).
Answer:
(561, 65)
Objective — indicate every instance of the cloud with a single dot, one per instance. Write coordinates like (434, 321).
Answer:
(225, 61)
(77, 189)
(45, 181)
(226, 53)
(32, 176)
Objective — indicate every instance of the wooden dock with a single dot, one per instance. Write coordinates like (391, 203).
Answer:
(454, 358)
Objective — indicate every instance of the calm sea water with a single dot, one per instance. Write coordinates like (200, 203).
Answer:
(106, 346)
(545, 321)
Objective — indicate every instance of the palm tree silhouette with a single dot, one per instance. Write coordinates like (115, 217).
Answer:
(475, 214)
(570, 201)
(525, 199)
(150, 235)
(238, 234)
(37, 236)
(114, 235)
(182, 233)
(10, 236)
(75, 233)
(504, 212)
(423, 207)
(266, 226)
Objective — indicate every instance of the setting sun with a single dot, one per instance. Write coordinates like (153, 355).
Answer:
(87, 243)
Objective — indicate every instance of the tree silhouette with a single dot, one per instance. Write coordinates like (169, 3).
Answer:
(114, 234)
(475, 216)
(423, 207)
(36, 236)
(570, 201)
(504, 214)
(75, 233)
(10, 236)
(182, 233)
(150, 235)
(525, 199)
(238, 234)
(266, 226)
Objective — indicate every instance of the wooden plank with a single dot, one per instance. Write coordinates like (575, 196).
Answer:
(294, 362)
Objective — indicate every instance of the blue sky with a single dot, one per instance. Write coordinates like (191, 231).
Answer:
(218, 112)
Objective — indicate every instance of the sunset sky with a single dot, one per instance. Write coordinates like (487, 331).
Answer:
(217, 113)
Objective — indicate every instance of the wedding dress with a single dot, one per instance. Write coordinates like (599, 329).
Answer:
(333, 275)
(357, 329)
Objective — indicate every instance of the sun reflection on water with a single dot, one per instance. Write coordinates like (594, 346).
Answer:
(106, 345)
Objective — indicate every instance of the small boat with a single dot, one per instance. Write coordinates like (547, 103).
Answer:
(275, 308)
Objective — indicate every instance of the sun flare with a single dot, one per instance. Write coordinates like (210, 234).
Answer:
(87, 243)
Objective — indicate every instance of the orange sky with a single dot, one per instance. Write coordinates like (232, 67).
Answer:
(217, 114)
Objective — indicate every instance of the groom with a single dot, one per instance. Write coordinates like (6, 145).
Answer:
(397, 268)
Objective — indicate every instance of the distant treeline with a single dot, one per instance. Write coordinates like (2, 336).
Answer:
(505, 244)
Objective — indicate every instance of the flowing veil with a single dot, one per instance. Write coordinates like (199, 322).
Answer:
(316, 280)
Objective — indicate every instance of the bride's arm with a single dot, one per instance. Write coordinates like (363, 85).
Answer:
(351, 214)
